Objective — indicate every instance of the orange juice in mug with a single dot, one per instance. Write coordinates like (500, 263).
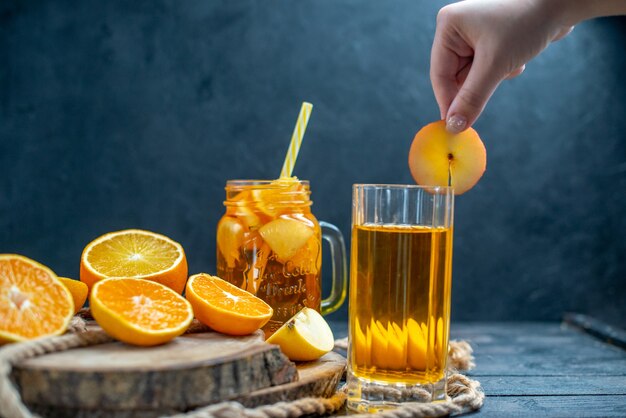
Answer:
(400, 285)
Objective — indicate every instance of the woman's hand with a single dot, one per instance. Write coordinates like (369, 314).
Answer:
(479, 43)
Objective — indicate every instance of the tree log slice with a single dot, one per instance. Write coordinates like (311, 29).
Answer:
(188, 372)
(315, 378)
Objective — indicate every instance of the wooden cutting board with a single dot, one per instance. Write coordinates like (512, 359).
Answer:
(119, 380)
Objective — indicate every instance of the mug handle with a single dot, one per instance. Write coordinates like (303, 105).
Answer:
(332, 235)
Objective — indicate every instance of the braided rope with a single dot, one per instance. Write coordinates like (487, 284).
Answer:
(78, 336)
(465, 394)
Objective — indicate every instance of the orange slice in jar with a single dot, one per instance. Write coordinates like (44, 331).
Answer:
(244, 201)
(280, 192)
(308, 259)
(250, 219)
(257, 260)
(286, 236)
(230, 234)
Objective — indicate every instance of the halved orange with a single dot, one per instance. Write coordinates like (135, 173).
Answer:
(135, 253)
(139, 312)
(225, 307)
(33, 303)
(79, 291)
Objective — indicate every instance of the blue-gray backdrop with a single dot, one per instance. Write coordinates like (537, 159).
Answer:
(117, 114)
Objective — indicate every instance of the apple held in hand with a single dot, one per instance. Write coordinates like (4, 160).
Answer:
(438, 157)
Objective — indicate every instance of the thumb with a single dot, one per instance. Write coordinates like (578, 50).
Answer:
(481, 82)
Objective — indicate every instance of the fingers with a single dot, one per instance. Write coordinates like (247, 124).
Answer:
(470, 101)
(516, 72)
(449, 55)
(443, 78)
(563, 33)
(464, 64)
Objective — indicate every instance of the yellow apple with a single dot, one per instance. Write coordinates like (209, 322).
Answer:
(439, 158)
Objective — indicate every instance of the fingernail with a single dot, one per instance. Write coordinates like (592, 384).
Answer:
(456, 124)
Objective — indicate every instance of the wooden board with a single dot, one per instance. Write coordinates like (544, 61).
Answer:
(118, 380)
(193, 370)
(316, 378)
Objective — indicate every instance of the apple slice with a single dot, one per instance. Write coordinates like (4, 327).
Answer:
(418, 346)
(305, 337)
(286, 236)
(439, 158)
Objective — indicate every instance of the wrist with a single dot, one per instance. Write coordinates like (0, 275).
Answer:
(567, 12)
(572, 12)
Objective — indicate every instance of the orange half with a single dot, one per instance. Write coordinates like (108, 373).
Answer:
(33, 303)
(139, 312)
(137, 254)
(79, 291)
(225, 307)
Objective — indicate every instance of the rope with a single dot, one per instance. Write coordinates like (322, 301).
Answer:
(292, 409)
(465, 394)
(78, 336)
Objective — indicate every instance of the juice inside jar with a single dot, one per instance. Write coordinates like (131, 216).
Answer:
(269, 243)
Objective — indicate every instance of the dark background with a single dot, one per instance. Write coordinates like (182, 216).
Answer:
(117, 114)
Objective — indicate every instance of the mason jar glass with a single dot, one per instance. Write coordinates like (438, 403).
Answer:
(269, 243)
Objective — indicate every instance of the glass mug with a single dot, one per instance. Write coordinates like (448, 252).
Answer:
(400, 285)
(269, 243)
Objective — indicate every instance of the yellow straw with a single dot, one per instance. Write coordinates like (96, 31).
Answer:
(296, 139)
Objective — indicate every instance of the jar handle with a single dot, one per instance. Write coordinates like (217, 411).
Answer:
(332, 235)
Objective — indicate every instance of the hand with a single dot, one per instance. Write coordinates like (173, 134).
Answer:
(479, 43)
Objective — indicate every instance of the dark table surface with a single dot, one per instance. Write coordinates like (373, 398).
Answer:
(546, 369)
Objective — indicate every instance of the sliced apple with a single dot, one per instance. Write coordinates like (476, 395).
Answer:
(439, 158)
(397, 346)
(305, 337)
(285, 236)
(380, 356)
(359, 346)
(417, 345)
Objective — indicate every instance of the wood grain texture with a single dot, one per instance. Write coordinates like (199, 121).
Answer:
(571, 385)
(316, 378)
(542, 369)
(545, 369)
(120, 381)
(598, 329)
(190, 371)
(553, 406)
